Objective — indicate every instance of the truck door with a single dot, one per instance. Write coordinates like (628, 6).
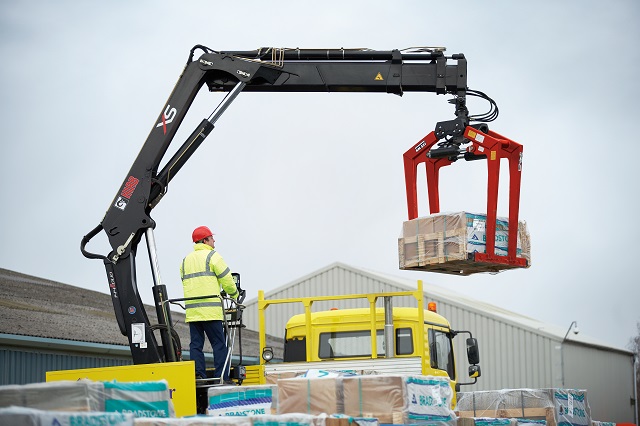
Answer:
(441, 351)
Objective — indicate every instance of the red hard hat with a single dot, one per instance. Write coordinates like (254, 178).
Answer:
(200, 233)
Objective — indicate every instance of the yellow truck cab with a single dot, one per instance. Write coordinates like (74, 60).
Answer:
(344, 334)
(380, 340)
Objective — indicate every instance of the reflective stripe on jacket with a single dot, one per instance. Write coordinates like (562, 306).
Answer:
(204, 273)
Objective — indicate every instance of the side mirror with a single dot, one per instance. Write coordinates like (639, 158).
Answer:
(474, 371)
(473, 354)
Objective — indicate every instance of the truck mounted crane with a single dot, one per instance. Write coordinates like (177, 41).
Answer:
(128, 217)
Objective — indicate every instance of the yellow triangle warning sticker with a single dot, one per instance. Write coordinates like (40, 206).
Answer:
(379, 77)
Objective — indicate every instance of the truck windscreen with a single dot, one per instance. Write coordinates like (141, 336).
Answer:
(350, 344)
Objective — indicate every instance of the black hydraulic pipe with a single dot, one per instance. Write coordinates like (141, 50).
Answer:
(331, 54)
(179, 159)
(444, 152)
(470, 156)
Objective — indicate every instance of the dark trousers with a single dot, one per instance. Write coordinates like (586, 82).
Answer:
(215, 333)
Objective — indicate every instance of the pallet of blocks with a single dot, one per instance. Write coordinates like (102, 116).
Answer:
(554, 406)
(391, 399)
(140, 399)
(447, 243)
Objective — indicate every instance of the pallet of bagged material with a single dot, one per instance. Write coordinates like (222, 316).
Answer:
(392, 399)
(448, 242)
(66, 395)
(556, 406)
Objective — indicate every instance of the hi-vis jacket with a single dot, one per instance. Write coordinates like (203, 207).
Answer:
(204, 273)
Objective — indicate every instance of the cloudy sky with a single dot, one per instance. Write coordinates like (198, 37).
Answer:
(291, 183)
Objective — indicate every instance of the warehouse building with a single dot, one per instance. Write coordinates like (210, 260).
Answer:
(515, 351)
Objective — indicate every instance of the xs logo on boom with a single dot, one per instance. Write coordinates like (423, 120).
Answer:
(167, 117)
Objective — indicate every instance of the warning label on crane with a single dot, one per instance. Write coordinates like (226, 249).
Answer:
(379, 77)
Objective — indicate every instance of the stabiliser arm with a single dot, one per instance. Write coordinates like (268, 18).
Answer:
(264, 70)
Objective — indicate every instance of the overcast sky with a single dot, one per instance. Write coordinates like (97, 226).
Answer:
(291, 183)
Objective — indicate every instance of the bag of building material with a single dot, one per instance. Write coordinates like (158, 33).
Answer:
(142, 399)
(242, 400)
(66, 395)
(24, 416)
(429, 399)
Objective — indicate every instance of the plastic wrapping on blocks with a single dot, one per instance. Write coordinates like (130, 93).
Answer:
(242, 400)
(65, 395)
(398, 399)
(450, 237)
(562, 406)
(393, 399)
(142, 399)
(24, 416)
(488, 402)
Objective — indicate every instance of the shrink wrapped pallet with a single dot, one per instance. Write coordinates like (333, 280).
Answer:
(394, 399)
(556, 406)
(24, 416)
(398, 399)
(81, 395)
(446, 242)
(242, 400)
(11, 395)
(143, 399)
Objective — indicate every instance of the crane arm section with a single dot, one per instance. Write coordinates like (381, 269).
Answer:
(128, 217)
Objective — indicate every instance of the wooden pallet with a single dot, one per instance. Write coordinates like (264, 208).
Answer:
(424, 257)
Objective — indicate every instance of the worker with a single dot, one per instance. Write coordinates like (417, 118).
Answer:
(205, 273)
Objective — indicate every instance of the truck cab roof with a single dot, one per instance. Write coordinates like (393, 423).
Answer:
(363, 315)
